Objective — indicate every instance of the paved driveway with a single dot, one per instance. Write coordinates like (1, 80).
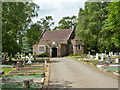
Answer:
(69, 73)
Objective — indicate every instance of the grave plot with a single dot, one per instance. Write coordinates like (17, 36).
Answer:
(16, 77)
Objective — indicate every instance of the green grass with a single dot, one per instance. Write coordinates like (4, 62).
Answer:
(31, 76)
(75, 55)
(5, 66)
(112, 69)
(6, 70)
(16, 86)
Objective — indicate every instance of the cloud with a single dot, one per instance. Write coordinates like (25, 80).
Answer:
(58, 8)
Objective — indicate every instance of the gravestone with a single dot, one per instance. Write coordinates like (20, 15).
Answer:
(24, 62)
(29, 59)
(116, 60)
(21, 55)
(108, 59)
(26, 84)
(18, 55)
(112, 53)
(5, 57)
(102, 57)
(10, 59)
(97, 56)
(45, 61)
(1, 59)
(34, 55)
(91, 56)
(119, 53)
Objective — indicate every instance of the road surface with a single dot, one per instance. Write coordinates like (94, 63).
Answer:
(69, 73)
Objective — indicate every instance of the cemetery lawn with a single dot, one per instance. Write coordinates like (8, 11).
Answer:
(6, 70)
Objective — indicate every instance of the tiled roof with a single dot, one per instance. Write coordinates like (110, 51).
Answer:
(57, 34)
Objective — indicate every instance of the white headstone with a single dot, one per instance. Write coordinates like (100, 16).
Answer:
(102, 57)
(18, 55)
(91, 56)
(21, 55)
(97, 56)
(109, 53)
(117, 60)
(45, 61)
(29, 59)
(112, 53)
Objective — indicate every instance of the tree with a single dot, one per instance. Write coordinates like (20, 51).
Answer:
(67, 22)
(16, 18)
(112, 24)
(90, 24)
(32, 36)
(46, 22)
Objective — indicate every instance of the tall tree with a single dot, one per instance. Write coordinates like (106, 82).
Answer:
(16, 17)
(90, 24)
(111, 27)
(46, 22)
(67, 22)
(32, 36)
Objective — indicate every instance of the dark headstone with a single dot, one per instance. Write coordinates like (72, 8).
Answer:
(24, 62)
(34, 55)
(26, 84)
(5, 57)
(43, 74)
(1, 59)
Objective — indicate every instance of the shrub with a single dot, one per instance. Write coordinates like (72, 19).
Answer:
(44, 55)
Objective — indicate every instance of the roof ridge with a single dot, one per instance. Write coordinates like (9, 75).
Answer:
(58, 30)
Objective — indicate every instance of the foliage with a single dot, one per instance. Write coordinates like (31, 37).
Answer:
(46, 23)
(91, 27)
(75, 55)
(112, 24)
(43, 55)
(67, 23)
(16, 17)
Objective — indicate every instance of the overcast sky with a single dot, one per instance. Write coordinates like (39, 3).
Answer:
(58, 8)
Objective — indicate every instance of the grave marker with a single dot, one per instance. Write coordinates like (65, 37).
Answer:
(97, 56)
(29, 59)
(116, 60)
(102, 57)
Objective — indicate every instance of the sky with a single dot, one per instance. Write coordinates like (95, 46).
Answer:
(58, 8)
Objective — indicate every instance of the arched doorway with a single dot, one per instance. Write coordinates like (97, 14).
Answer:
(54, 52)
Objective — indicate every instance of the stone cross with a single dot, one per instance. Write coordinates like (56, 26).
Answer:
(29, 59)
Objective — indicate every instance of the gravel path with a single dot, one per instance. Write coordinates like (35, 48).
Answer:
(69, 73)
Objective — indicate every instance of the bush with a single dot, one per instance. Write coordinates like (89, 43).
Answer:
(44, 55)
(75, 55)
